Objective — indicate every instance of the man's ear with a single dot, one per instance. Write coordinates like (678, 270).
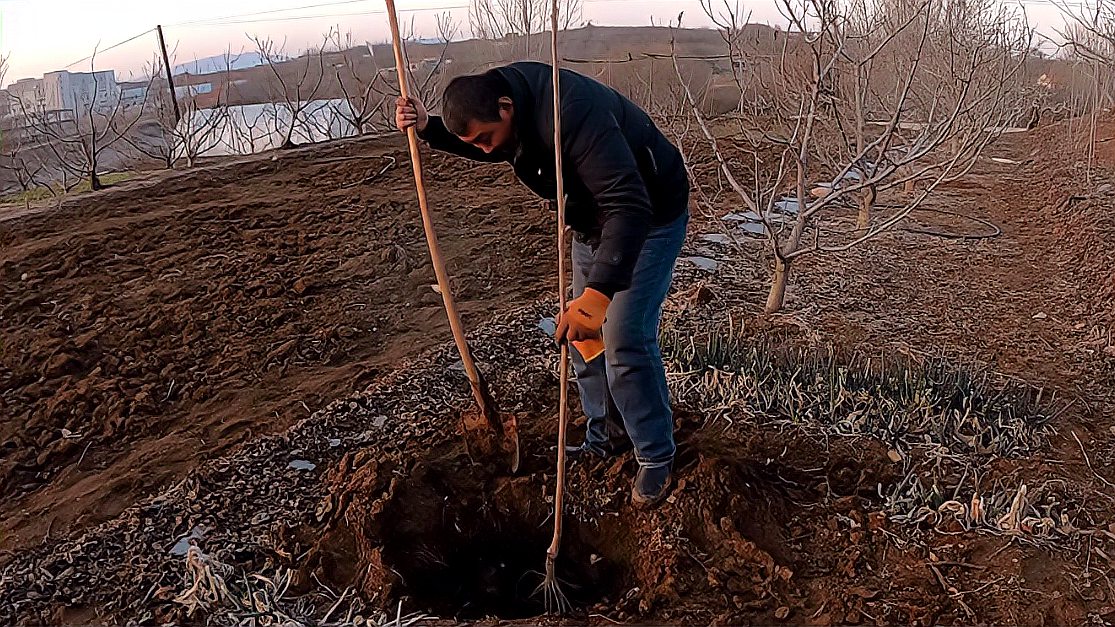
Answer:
(506, 104)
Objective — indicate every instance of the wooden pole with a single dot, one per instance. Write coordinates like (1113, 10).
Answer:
(563, 363)
(169, 75)
(431, 236)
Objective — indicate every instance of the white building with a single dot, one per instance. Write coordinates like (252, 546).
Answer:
(64, 91)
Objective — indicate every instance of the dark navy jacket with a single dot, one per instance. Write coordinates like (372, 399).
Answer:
(622, 176)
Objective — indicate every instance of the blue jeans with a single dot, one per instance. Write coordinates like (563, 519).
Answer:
(623, 393)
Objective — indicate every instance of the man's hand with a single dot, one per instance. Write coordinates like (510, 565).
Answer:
(410, 112)
(583, 318)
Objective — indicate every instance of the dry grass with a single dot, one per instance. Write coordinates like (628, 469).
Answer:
(726, 374)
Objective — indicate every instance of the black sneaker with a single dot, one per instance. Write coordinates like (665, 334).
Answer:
(651, 486)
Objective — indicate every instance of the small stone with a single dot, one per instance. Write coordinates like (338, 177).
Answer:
(302, 464)
(1041, 315)
(334, 442)
(782, 613)
(24, 276)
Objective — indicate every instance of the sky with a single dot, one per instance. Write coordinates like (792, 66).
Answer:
(45, 35)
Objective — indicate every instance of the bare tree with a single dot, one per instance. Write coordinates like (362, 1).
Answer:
(1090, 33)
(497, 20)
(24, 166)
(79, 138)
(362, 83)
(242, 138)
(198, 130)
(423, 75)
(298, 82)
(865, 100)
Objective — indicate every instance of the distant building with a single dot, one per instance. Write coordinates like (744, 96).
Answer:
(134, 92)
(64, 91)
(218, 63)
(26, 93)
(189, 91)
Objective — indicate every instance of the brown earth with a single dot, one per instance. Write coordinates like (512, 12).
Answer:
(772, 518)
(149, 328)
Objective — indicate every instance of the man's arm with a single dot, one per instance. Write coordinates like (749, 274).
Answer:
(599, 152)
(439, 138)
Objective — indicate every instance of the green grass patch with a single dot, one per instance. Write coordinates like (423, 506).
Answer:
(42, 193)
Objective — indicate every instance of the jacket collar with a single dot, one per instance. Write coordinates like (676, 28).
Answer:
(526, 131)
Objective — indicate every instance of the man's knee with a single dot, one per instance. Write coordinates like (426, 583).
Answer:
(629, 346)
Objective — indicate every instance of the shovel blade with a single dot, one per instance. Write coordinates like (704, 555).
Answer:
(489, 432)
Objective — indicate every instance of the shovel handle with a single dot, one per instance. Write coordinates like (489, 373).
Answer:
(428, 225)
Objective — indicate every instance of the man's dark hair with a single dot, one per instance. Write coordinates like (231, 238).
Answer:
(473, 97)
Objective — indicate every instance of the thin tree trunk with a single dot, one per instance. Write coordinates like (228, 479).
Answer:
(866, 204)
(94, 180)
(777, 296)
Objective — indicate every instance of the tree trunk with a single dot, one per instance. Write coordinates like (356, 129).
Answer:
(866, 204)
(287, 143)
(95, 181)
(777, 296)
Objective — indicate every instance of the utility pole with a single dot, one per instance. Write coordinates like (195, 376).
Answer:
(169, 75)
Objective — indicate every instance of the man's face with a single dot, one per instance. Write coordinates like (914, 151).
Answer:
(497, 137)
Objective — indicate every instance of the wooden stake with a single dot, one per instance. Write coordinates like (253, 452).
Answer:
(563, 394)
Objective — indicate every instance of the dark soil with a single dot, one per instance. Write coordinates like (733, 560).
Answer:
(151, 327)
(771, 519)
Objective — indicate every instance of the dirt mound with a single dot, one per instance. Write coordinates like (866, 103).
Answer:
(1085, 224)
(1080, 216)
(454, 539)
(147, 328)
(760, 527)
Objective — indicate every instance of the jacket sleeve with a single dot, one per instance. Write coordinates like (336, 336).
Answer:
(599, 153)
(439, 138)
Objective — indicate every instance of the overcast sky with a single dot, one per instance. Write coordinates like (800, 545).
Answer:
(45, 35)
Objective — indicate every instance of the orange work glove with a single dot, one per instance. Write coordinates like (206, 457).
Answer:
(582, 321)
